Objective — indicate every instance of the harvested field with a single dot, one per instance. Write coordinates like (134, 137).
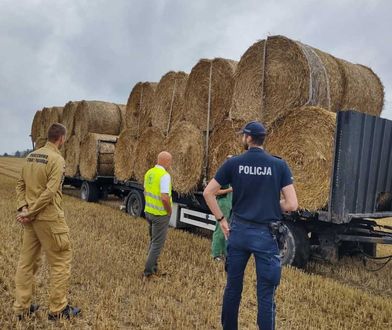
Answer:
(186, 144)
(308, 150)
(149, 145)
(209, 81)
(124, 155)
(97, 155)
(139, 106)
(97, 117)
(279, 74)
(168, 107)
(109, 289)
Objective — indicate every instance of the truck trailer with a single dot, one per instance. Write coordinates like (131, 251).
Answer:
(360, 195)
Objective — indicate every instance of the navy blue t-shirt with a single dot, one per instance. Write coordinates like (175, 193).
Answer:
(257, 179)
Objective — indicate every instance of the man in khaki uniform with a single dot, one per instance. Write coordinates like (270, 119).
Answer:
(39, 201)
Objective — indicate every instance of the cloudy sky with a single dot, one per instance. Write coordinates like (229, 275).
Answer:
(53, 51)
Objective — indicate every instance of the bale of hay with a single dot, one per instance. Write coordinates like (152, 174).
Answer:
(124, 156)
(363, 90)
(72, 156)
(40, 142)
(224, 141)
(97, 117)
(45, 121)
(68, 119)
(97, 155)
(122, 108)
(305, 139)
(149, 145)
(186, 143)
(199, 87)
(36, 126)
(277, 75)
(169, 101)
(56, 115)
(139, 106)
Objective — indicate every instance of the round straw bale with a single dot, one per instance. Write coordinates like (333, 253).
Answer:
(279, 74)
(224, 141)
(68, 119)
(186, 144)
(40, 142)
(97, 155)
(124, 156)
(45, 121)
(139, 107)
(305, 139)
(97, 117)
(149, 145)
(363, 89)
(248, 81)
(72, 156)
(36, 126)
(169, 100)
(56, 115)
(198, 87)
(122, 108)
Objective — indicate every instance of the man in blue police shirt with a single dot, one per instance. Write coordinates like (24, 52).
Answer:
(258, 179)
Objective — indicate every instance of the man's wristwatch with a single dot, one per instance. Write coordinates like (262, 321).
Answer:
(220, 219)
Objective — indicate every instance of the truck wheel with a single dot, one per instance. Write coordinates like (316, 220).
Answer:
(89, 192)
(135, 203)
(295, 247)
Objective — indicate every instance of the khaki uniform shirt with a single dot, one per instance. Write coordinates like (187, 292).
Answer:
(40, 184)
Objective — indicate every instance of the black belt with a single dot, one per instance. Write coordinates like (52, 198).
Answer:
(253, 223)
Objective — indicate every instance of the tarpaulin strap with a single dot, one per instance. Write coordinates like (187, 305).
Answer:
(208, 124)
(319, 88)
(171, 107)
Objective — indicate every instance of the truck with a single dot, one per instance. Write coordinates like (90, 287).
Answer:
(360, 195)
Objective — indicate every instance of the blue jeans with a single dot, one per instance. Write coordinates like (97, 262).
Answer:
(244, 240)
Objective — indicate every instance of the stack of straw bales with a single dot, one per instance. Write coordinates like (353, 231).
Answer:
(294, 89)
(277, 75)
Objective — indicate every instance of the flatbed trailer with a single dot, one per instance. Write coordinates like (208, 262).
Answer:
(360, 194)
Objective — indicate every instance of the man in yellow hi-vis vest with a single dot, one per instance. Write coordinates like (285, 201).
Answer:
(158, 208)
(39, 201)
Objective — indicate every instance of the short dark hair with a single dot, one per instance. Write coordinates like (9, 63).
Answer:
(258, 140)
(56, 131)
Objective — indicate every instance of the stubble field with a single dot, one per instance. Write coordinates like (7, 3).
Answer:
(109, 253)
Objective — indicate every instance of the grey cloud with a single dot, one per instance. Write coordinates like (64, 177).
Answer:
(55, 51)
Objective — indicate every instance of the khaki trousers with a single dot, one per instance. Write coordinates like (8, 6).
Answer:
(53, 238)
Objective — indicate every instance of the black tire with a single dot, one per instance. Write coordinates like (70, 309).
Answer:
(89, 192)
(135, 203)
(295, 246)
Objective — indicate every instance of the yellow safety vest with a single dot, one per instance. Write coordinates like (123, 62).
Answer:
(152, 191)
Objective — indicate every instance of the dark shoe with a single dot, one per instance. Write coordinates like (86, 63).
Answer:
(33, 308)
(218, 258)
(66, 313)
